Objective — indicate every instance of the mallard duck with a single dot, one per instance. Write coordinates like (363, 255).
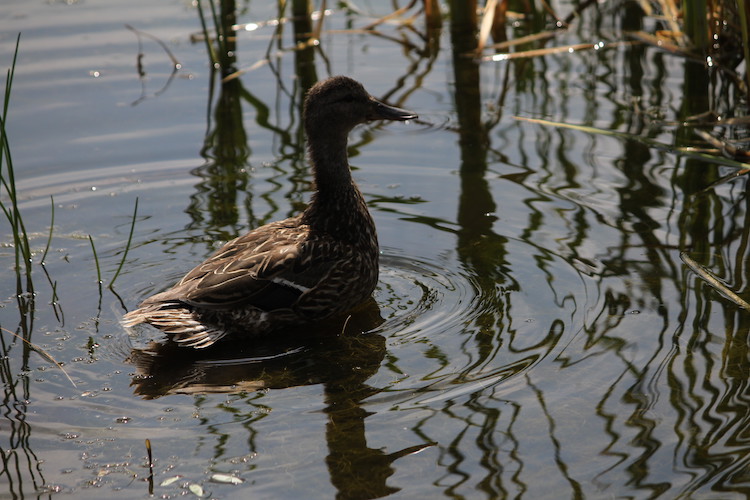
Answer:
(303, 269)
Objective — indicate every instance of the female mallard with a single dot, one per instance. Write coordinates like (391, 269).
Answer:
(302, 269)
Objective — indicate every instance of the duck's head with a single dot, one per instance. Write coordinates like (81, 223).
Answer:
(342, 103)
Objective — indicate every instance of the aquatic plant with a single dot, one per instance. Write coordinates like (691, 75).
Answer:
(25, 294)
(10, 208)
(18, 461)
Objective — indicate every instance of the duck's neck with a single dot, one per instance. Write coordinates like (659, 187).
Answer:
(337, 206)
(329, 161)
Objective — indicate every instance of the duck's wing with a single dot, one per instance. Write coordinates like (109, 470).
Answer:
(270, 274)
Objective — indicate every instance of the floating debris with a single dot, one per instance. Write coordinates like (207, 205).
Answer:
(713, 281)
(196, 489)
(227, 479)
(170, 480)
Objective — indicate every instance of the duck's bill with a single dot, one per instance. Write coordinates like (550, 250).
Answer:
(381, 111)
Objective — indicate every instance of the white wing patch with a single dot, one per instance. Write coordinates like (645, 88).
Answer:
(290, 284)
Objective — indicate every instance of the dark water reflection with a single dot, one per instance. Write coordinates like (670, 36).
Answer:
(341, 362)
(338, 351)
(534, 333)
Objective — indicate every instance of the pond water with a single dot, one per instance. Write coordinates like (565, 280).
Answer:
(534, 334)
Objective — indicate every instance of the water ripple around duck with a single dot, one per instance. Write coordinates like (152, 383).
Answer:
(448, 336)
(419, 298)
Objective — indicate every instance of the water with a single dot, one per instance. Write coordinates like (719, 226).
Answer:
(534, 334)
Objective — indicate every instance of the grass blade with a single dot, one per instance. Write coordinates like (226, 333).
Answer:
(96, 262)
(42, 353)
(51, 225)
(127, 246)
(8, 181)
(643, 140)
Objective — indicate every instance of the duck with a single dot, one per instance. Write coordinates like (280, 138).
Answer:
(320, 263)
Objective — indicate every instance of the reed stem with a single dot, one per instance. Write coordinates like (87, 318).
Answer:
(127, 246)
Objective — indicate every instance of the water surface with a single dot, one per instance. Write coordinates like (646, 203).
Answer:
(534, 334)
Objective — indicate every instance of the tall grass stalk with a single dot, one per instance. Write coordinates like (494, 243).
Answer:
(98, 277)
(8, 180)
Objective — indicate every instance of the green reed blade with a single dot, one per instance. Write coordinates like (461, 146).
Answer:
(127, 246)
(206, 37)
(51, 225)
(96, 261)
(20, 237)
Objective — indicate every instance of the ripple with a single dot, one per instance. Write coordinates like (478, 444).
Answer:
(75, 186)
(449, 337)
(426, 123)
(418, 297)
(435, 122)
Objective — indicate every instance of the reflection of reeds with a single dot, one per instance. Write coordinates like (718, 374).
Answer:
(142, 70)
(302, 12)
(708, 36)
(691, 152)
(712, 33)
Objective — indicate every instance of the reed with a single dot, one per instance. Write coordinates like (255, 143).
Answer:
(10, 208)
(99, 279)
(124, 253)
(96, 262)
(51, 226)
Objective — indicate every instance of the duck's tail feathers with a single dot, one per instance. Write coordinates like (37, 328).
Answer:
(178, 321)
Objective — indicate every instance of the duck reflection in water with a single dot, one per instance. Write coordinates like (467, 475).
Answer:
(318, 264)
(340, 349)
(341, 355)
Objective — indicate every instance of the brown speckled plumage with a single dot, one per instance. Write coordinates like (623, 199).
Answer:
(302, 269)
